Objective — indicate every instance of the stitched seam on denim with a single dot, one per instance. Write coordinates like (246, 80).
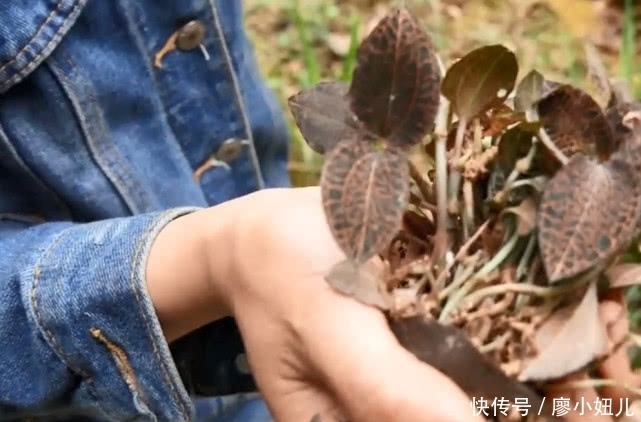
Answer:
(104, 154)
(24, 49)
(138, 39)
(238, 98)
(53, 343)
(37, 180)
(136, 262)
(51, 339)
(50, 45)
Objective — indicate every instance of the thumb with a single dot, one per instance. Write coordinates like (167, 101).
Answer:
(372, 377)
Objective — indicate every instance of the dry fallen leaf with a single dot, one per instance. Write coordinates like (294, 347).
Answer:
(362, 282)
(570, 339)
(624, 275)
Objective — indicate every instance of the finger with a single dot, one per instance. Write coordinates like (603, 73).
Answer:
(372, 376)
(581, 402)
(617, 366)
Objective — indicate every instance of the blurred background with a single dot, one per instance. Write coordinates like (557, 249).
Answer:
(301, 42)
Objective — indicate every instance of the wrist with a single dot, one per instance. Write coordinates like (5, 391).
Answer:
(186, 271)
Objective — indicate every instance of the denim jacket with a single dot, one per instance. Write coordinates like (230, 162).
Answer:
(103, 141)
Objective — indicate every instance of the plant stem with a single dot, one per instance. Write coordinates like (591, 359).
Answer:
(549, 144)
(477, 147)
(459, 295)
(468, 207)
(529, 289)
(524, 262)
(531, 115)
(426, 190)
(499, 257)
(440, 280)
(522, 165)
(455, 174)
(536, 182)
(456, 298)
(441, 243)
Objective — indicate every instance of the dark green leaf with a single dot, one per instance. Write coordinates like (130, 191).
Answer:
(480, 80)
(529, 91)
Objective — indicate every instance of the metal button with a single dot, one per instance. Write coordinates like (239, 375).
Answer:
(242, 365)
(230, 149)
(190, 36)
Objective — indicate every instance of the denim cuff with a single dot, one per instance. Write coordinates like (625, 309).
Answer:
(89, 299)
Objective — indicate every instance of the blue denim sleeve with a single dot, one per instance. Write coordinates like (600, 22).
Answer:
(75, 307)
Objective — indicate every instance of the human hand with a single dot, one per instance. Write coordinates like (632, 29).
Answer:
(313, 350)
(617, 367)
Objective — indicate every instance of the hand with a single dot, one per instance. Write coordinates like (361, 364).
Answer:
(617, 367)
(312, 349)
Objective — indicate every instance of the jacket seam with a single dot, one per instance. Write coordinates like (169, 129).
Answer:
(136, 200)
(50, 337)
(45, 49)
(136, 263)
(238, 97)
(48, 334)
(149, 70)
